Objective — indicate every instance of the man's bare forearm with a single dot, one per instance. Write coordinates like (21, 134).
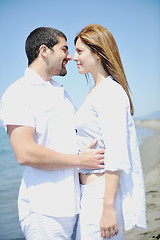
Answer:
(29, 153)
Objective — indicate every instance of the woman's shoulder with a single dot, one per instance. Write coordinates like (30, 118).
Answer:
(110, 89)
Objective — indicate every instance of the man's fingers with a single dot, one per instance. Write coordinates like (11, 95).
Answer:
(100, 157)
(100, 151)
(93, 143)
(100, 167)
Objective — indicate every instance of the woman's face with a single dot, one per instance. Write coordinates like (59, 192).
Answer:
(86, 60)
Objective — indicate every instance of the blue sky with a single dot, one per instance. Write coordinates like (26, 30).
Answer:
(135, 24)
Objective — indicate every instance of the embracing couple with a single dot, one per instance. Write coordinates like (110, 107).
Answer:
(83, 178)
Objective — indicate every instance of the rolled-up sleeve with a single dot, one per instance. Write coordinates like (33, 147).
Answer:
(15, 109)
(112, 108)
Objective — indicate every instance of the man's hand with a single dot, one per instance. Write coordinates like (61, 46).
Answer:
(29, 153)
(92, 158)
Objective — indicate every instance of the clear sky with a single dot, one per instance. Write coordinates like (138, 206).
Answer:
(135, 24)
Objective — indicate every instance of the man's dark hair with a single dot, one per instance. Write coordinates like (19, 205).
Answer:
(42, 35)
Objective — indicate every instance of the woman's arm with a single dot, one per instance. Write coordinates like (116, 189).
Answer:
(112, 107)
(108, 224)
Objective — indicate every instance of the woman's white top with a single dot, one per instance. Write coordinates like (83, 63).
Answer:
(105, 115)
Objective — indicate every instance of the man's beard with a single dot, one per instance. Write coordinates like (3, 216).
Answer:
(63, 71)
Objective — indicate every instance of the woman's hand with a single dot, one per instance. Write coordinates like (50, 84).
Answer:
(108, 223)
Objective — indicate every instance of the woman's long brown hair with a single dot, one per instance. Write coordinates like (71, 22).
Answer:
(101, 41)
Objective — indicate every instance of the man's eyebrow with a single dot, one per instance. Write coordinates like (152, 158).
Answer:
(65, 46)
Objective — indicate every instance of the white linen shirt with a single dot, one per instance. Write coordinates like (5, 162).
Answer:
(105, 115)
(46, 107)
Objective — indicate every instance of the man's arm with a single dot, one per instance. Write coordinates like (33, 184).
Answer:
(29, 153)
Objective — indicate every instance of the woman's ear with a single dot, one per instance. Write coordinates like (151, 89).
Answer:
(98, 56)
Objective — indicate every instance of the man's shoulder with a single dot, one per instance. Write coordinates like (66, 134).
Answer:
(56, 84)
(15, 88)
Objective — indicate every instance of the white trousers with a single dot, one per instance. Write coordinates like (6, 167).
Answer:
(40, 227)
(92, 196)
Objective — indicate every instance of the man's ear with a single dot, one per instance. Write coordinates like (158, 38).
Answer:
(43, 50)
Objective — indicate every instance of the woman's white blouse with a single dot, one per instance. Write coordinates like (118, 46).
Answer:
(105, 115)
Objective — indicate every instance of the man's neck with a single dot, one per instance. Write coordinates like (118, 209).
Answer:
(40, 70)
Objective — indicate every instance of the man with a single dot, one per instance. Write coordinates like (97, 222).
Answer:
(39, 118)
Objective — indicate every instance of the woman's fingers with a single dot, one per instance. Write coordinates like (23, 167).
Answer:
(107, 233)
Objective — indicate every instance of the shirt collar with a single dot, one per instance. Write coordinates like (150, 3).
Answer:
(36, 79)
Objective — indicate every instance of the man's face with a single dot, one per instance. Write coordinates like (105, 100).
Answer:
(58, 58)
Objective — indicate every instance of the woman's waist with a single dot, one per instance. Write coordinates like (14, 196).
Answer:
(84, 141)
(88, 178)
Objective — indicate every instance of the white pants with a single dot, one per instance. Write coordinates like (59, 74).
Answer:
(92, 196)
(40, 227)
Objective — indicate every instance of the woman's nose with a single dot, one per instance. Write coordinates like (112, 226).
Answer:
(75, 57)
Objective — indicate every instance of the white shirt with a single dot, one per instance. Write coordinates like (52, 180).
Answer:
(105, 115)
(46, 107)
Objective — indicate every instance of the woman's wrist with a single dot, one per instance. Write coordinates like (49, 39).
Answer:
(108, 204)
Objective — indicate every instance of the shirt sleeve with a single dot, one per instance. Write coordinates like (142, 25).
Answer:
(15, 109)
(112, 107)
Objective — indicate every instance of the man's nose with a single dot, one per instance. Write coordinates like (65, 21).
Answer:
(69, 57)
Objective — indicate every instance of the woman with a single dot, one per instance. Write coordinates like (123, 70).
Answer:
(114, 198)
